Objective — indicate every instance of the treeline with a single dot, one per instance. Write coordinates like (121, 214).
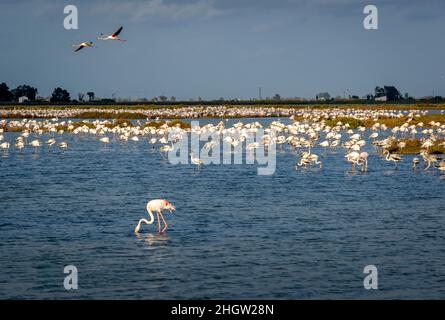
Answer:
(7, 95)
(25, 93)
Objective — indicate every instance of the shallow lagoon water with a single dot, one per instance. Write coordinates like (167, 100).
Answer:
(303, 234)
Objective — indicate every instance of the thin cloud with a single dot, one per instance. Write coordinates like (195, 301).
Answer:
(138, 11)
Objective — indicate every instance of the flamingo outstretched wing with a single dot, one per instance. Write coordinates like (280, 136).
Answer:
(117, 32)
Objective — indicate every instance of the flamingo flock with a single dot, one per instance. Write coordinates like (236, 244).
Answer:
(221, 111)
(310, 135)
(304, 130)
(89, 44)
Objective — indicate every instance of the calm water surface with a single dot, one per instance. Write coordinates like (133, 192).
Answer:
(292, 235)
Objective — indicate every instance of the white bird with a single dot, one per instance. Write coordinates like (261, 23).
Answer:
(152, 141)
(253, 145)
(392, 157)
(4, 145)
(416, 161)
(210, 145)
(156, 206)
(353, 158)
(20, 144)
(104, 140)
(363, 160)
(35, 143)
(82, 45)
(196, 160)
(167, 148)
(114, 36)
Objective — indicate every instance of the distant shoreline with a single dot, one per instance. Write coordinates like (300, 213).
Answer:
(297, 106)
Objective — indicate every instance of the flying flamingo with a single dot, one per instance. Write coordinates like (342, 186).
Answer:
(82, 45)
(114, 36)
(156, 206)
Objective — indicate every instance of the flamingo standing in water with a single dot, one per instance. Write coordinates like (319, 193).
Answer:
(196, 160)
(156, 206)
(392, 157)
(114, 36)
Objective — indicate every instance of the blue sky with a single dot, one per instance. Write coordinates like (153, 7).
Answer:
(225, 48)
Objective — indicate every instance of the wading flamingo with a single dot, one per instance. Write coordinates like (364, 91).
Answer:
(157, 206)
(392, 157)
(196, 160)
(416, 162)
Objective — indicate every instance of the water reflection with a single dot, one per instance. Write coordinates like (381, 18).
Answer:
(154, 239)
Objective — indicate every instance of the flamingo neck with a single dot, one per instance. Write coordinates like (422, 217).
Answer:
(152, 218)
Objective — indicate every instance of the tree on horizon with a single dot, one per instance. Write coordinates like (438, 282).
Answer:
(60, 95)
(25, 91)
(91, 95)
(5, 94)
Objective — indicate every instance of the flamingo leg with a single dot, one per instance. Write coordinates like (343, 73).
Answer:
(159, 222)
(165, 223)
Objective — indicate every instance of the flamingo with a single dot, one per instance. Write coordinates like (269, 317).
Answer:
(105, 140)
(353, 158)
(63, 145)
(253, 145)
(50, 142)
(210, 145)
(82, 45)
(441, 166)
(20, 144)
(167, 148)
(304, 162)
(114, 36)
(416, 162)
(152, 141)
(363, 158)
(392, 157)
(429, 159)
(157, 206)
(4, 146)
(196, 160)
(36, 144)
